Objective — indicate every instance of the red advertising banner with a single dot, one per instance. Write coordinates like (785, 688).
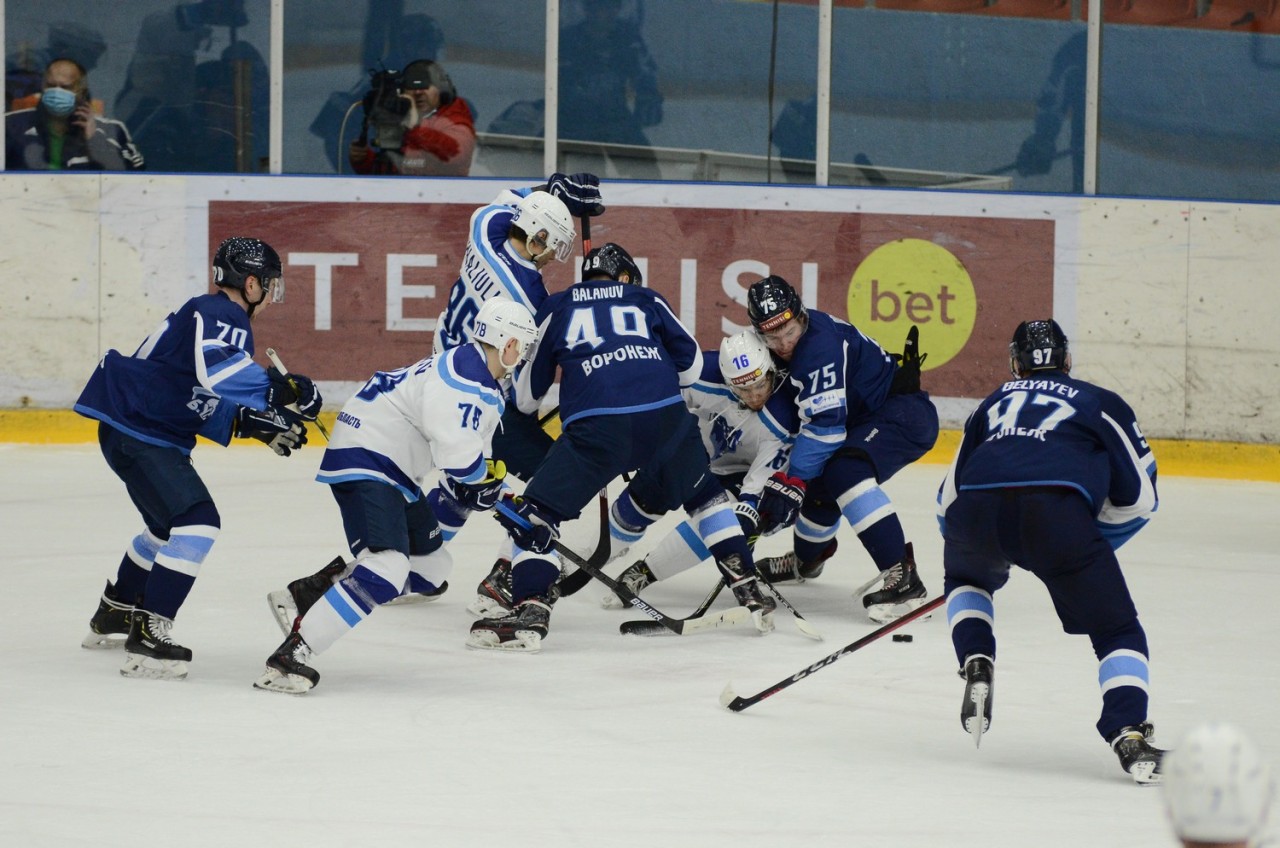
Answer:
(365, 281)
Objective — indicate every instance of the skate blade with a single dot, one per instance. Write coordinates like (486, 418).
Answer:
(150, 668)
(978, 723)
(409, 600)
(763, 621)
(283, 609)
(1145, 774)
(486, 607)
(523, 641)
(103, 641)
(286, 684)
(885, 613)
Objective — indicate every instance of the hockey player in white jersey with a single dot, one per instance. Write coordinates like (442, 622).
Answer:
(437, 414)
(746, 415)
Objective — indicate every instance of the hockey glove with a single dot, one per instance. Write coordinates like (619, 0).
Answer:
(294, 390)
(281, 430)
(579, 192)
(907, 378)
(482, 495)
(530, 527)
(748, 517)
(780, 502)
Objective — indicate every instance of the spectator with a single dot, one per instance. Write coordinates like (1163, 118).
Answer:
(435, 137)
(61, 132)
(24, 70)
(1218, 790)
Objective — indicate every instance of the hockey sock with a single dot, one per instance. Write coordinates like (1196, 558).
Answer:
(867, 509)
(178, 560)
(971, 616)
(628, 521)
(811, 540)
(429, 571)
(1124, 677)
(679, 550)
(718, 528)
(375, 578)
(532, 574)
(450, 514)
(135, 567)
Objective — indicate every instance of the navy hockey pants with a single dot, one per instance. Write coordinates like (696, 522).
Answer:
(1049, 531)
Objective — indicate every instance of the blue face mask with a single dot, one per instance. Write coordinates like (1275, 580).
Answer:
(58, 101)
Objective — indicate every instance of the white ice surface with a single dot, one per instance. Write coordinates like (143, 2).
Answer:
(600, 740)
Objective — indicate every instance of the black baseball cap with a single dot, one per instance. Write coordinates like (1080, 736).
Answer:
(418, 75)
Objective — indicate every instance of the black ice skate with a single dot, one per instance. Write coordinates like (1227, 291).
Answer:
(493, 595)
(522, 630)
(901, 592)
(979, 681)
(789, 569)
(287, 670)
(634, 577)
(301, 595)
(1138, 756)
(151, 653)
(109, 626)
(746, 590)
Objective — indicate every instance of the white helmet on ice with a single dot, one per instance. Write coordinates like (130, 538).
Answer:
(747, 368)
(500, 319)
(1217, 787)
(545, 219)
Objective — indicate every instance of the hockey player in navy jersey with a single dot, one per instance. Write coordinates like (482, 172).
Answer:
(863, 418)
(746, 411)
(623, 357)
(1052, 474)
(194, 375)
(437, 414)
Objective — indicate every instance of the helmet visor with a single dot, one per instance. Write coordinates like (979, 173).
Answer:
(273, 290)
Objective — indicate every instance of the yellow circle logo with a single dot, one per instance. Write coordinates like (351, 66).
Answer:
(913, 281)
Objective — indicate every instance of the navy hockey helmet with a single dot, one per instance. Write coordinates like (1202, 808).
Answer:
(241, 257)
(1038, 346)
(611, 260)
(772, 302)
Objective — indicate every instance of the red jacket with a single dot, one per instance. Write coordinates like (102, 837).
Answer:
(442, 144)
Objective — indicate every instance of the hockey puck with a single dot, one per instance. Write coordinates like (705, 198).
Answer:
(902, 637)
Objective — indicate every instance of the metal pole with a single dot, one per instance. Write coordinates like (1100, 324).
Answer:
(551, 91)
(1093, 76)
(6, 94)
(275, 152)
(822, 153)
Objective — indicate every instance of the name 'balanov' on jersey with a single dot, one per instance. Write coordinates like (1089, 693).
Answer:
(440, 412)
(606, 328)
(1051, 429)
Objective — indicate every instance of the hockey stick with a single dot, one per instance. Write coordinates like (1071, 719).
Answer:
(571, 583)
(674, 624)
(293, 384)
(802, 624)
(737, 703)
(642, 627)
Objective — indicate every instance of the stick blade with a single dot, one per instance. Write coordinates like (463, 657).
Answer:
(808, 629)
(729, 699)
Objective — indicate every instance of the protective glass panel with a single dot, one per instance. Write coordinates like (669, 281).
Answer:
(189, 81)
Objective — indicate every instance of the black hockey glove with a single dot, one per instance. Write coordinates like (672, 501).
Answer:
(780, 502)
(530, 527)
(748, 517)
(294, 389)
(907, 378)
(482, 495)
(280, 429)
(579, 192)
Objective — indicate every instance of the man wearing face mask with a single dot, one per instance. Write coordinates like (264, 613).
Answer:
(439, 134)
(61, 132)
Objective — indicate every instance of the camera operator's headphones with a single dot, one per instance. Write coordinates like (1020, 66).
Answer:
(425, 73)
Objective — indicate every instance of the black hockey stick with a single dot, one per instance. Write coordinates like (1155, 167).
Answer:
(571, 583)
(293, 384)
(802, 624)
(674, 624)
(737, 703)
(643, 627)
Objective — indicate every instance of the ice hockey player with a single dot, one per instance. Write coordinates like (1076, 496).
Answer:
(1219, 791)
(1052, 474)
(437, 414)
(194, 375)
(623, 358)
(863, 418)
(746, 412)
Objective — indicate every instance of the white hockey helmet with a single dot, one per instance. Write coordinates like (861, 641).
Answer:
(546, 219)
(747, 368)
(1217, 786)
(500, 319)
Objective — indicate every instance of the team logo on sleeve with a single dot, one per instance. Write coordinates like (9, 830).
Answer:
(203, 402)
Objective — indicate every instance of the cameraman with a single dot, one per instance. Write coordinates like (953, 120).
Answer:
(422, 129)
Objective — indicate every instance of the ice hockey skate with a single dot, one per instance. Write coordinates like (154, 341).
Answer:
(761, 606)
(635, 578)
(522, 630)
(287, 671)
(493, 595)
(407, 598)
(901, 591)
(109, 626)
(975, 709)
(151, 653)
(301, 594)
(1138, 757)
